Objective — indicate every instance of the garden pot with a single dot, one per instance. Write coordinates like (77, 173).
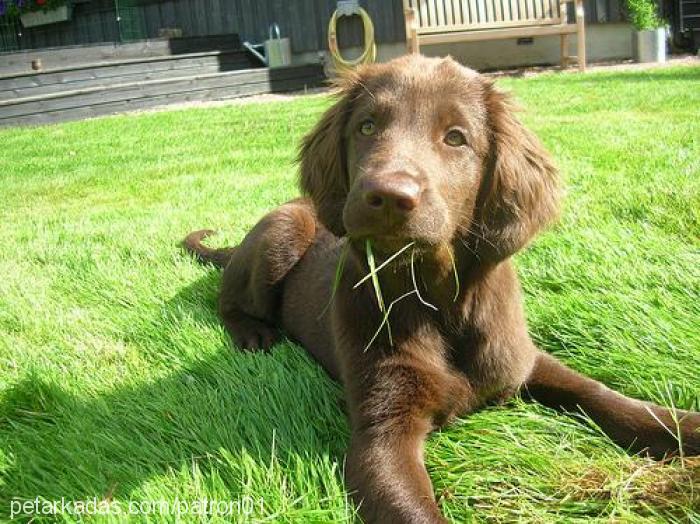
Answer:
(35, 18)
(650, 45)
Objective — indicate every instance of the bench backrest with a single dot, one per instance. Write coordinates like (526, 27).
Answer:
(442, 16)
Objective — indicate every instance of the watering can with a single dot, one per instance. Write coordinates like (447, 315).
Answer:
(278, 51)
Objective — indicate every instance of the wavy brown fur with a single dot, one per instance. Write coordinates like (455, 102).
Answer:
(478, 197)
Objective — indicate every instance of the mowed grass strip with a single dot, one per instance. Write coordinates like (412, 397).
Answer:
(117, 381)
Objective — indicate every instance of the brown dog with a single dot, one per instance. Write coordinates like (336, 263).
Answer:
(427, 152)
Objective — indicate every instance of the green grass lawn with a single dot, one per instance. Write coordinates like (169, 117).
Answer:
(118, 383)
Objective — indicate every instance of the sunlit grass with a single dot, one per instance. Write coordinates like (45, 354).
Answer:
(118, 382)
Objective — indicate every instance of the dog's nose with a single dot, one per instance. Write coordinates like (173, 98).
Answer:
(396, 193)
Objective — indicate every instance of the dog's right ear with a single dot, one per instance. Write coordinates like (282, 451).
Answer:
(323, 162)
(520, 194)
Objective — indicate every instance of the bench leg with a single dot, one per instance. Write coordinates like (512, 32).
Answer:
(411, 31)
(581, 35)
(564, 52)
(413, 46)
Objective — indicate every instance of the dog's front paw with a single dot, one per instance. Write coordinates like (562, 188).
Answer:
(251, 334)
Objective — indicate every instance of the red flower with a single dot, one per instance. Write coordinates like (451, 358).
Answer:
(40, 2)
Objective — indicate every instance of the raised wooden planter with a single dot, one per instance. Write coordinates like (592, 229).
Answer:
(76, 94)
(36, 18)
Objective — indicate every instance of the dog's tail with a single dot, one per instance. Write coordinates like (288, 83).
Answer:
(207, 255)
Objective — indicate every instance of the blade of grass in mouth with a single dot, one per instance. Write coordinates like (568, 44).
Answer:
(385, 320)
(373, 271)
(454, 271)
(415, 284)
(373, 275)
(377, 290)
(338, 274)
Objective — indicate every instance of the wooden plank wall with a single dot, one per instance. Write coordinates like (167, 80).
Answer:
(305, 21)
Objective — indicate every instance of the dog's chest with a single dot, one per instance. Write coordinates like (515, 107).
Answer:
(477, 360)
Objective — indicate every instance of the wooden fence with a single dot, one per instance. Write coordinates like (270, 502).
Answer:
(305, 21)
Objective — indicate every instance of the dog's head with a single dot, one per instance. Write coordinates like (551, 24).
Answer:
(424, 150)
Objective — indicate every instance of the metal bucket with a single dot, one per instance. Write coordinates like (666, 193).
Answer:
(650, 46)
(278, 51)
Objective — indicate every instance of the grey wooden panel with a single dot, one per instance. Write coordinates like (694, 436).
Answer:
(389, 27)
(615, 10)
(304, 21)
(249, 29)
(55, 37)
(151, 17)
(110, 29)
(266, 15)
(167, 13)
(93, 26)
(260, 25)
(38, 39)
(183, 17)
(199, 17)
(215, 19)
(228, 15)
(301, 27)
(398, 21)
(79, 29)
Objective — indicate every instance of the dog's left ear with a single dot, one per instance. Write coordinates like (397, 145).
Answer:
(519, 193)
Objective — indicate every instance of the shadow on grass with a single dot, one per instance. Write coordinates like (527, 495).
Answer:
(225, 406)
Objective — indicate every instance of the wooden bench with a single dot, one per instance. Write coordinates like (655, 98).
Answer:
(447, 21)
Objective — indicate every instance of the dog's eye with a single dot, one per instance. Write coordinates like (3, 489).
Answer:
(455, 138)
(368, 127)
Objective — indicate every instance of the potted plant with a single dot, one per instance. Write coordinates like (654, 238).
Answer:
(649, 38)
(37, 12)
